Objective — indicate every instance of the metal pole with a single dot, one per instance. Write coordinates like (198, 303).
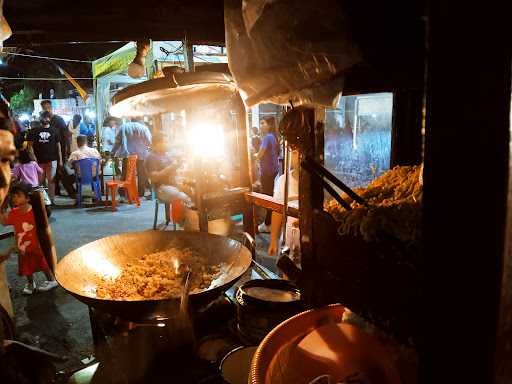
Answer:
(244, 134)
(286, 181)
(188, 55)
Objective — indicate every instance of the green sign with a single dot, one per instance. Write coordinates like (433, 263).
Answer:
(115, 62)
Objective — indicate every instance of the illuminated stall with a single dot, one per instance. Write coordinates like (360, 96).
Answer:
(203, 113)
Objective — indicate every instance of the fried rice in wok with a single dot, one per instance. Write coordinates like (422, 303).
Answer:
(158, 276)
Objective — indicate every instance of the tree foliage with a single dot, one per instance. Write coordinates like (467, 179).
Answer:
(23, 100)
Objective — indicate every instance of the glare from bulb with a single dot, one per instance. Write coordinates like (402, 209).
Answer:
(101, 265)
(24, 117)
(206, 140)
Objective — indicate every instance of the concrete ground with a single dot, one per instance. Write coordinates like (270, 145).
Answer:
(56, 321)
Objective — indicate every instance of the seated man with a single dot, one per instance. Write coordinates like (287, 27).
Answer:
(83, 152)
(161, 170)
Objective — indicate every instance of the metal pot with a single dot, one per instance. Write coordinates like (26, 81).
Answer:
(263, 304)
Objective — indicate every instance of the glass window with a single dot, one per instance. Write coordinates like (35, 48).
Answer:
(358, 138)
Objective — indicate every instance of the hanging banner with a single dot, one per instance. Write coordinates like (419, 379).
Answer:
(78, 87)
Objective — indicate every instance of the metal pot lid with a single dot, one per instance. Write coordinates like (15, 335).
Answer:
(277, 292)
(173, 93)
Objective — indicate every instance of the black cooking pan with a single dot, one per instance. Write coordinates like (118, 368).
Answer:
(80, 271)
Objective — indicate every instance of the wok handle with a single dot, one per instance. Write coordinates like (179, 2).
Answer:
(44, 231)
(248, 242)
(323, 172)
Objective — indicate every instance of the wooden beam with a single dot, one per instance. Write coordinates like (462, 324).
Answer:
(269, 202)
(243, 134)
(311, 200)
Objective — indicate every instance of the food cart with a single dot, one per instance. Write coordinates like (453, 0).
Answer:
(425, 55)
(214, 145)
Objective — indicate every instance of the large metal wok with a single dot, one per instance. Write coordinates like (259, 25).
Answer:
(80, 271)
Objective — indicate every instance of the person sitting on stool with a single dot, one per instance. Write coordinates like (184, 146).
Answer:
(161, 169)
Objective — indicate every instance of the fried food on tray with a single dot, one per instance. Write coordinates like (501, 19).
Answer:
(394, 207)
(159, 275)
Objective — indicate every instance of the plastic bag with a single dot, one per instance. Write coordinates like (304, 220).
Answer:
(283, 50)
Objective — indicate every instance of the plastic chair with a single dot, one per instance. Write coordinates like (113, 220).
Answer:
(157, 203)
(130, 184)
(84, 175)
(173, 210)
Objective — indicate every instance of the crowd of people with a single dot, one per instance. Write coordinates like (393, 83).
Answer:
(56, 147)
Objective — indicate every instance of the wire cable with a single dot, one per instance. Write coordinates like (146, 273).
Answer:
(46, 57)
(45, 78)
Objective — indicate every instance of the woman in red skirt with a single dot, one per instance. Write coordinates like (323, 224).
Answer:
(30, 255)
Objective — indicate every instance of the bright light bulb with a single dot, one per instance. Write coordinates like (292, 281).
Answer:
(206, 140)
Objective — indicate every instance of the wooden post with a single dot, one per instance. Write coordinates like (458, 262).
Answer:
(310, 199)
(244, 133)
(465, 195)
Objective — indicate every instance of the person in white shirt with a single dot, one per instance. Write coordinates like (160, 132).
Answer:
(292, 228)
(83, 151)
(108, 134)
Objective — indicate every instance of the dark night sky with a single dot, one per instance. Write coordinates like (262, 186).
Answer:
(44, 27)
(16, 66)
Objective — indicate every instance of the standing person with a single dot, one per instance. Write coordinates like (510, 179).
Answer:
(60, 126)
(30, 255)
(292, 224)
(27, 170)
(255, 139)
(74, 129)
(45, 142)
(108, 136)
(134, 138)
(90, 131)
(255, 148)
(268, 157)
